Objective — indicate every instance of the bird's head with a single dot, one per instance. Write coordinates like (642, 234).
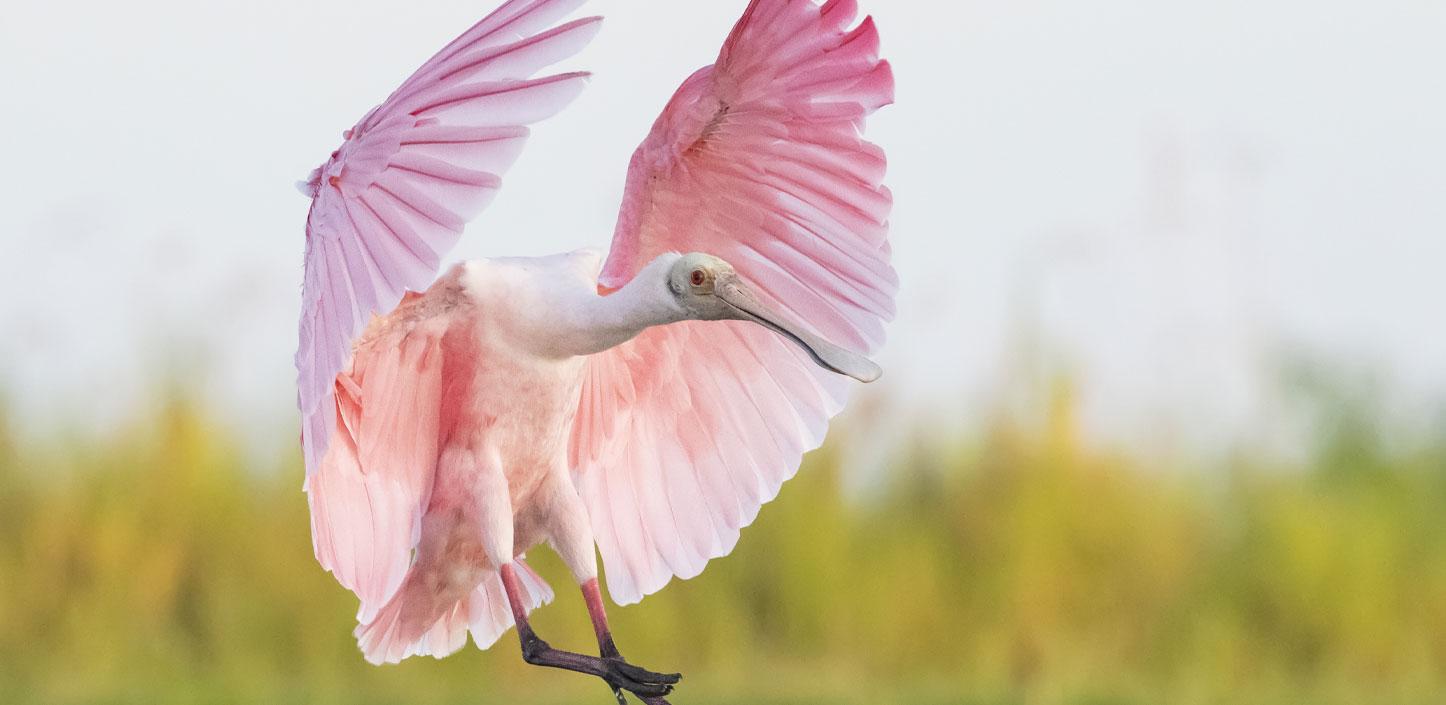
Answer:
(708, 289)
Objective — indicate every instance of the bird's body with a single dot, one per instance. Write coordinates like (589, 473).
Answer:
(501, 484)
(643, 405)
(486, 334)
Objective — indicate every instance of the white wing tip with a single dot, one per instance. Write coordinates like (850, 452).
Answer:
(308, 186)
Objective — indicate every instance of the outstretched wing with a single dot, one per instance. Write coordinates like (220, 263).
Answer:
(684, 432)
(394, 198)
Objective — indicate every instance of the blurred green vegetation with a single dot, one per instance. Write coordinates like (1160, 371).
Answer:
(155, 564)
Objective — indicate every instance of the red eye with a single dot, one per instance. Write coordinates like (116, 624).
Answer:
(699, 277)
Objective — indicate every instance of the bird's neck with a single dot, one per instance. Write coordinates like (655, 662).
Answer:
(595, 323)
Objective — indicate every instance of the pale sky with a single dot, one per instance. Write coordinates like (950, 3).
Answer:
(1162, 193)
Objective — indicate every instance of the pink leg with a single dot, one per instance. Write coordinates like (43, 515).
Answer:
(645, 684)
(593, 596)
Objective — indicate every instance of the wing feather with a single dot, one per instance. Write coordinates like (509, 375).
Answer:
(375, 479)
(685, 431)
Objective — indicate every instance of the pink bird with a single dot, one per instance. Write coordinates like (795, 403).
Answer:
(643, 406)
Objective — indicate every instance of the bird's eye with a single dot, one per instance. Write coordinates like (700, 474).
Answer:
(699, 277)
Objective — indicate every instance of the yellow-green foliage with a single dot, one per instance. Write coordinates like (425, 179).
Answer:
(153, 565)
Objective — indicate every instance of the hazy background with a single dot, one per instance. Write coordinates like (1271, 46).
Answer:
(1181, 255)
(1163, 193)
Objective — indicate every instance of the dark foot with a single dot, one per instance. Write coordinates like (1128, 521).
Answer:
(619, 674)
(622, 674)
(640, 674)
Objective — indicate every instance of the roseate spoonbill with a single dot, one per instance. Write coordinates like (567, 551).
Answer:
(647, 404)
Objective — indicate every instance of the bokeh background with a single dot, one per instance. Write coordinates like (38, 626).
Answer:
(1164, 418)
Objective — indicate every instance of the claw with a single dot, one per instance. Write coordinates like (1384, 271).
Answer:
(642, 690)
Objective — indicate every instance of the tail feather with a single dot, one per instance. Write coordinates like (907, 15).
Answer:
(413, 623)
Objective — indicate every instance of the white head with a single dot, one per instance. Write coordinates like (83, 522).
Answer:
(708, 289)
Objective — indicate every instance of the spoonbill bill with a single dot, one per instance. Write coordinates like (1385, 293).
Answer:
(642, 406)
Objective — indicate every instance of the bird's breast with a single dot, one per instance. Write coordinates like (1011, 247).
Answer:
(523, 401)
